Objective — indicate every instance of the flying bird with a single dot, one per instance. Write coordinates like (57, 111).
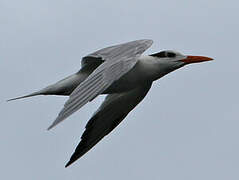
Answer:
(122, 72)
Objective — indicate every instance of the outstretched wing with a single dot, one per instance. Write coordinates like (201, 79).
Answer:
(112, 111)
(117, 60)
(128, 49)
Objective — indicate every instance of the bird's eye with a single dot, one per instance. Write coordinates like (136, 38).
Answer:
(164, 54)
(171, 54)
(161, 54)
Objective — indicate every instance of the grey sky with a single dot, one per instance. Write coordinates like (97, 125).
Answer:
(187, 126)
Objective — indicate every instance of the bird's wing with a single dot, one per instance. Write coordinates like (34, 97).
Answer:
(126, 50)
(118, 60)
(112, 111)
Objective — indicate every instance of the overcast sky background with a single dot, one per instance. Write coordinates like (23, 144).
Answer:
(187, 126)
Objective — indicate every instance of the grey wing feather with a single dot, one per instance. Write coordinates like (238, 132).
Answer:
(118, 60)
(112, 111)
(120, 50)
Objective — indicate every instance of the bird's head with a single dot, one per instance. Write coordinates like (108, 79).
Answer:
(171, 60)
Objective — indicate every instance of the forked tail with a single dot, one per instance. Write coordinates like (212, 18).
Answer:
(29, 95)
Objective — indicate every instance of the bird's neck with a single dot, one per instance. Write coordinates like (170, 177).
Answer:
(152, 68)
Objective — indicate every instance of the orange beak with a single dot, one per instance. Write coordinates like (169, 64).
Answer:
(196, 59)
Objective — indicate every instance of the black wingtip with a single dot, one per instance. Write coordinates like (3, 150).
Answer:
(73, 158)
(68, 164)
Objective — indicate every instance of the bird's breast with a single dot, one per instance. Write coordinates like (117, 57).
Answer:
(137, 76)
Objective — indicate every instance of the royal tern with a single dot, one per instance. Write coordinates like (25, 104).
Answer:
(122, 72)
